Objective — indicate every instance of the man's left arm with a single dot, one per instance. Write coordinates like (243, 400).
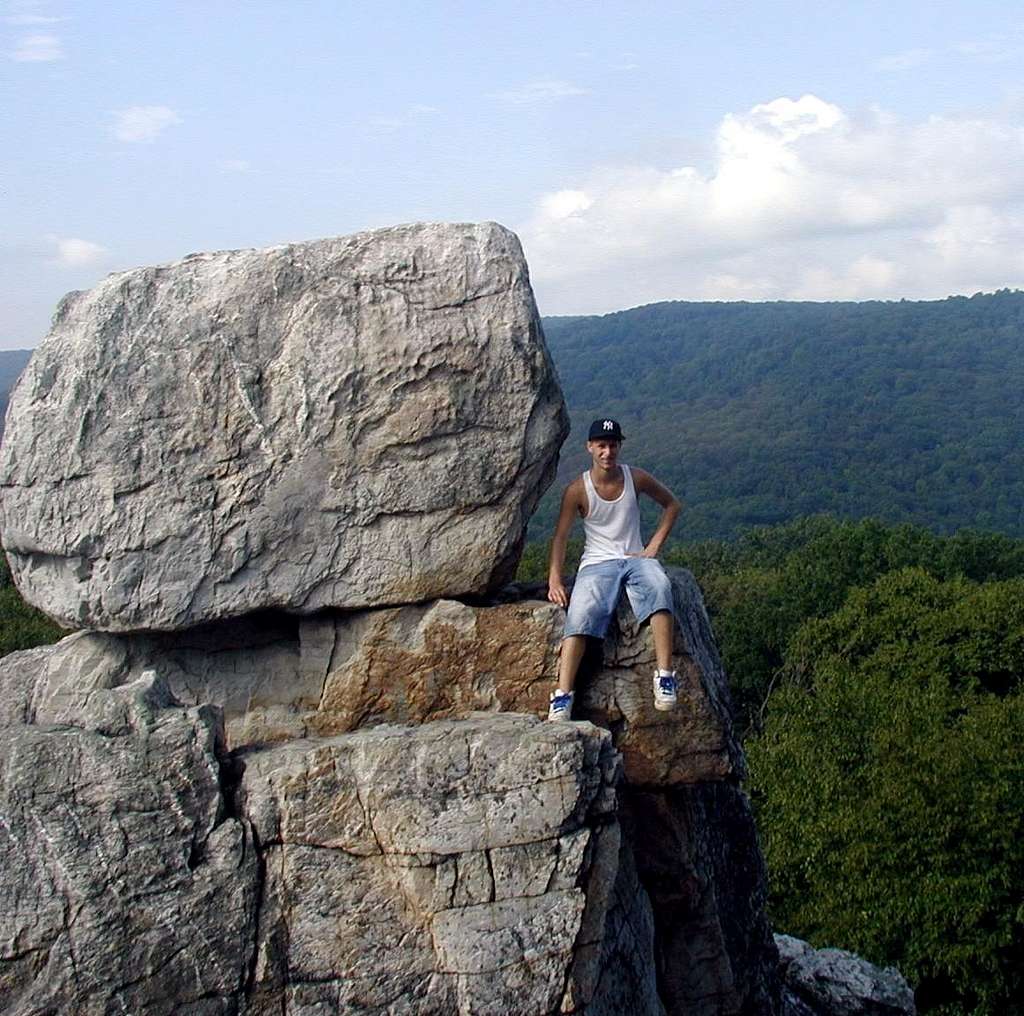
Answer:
(647, 484)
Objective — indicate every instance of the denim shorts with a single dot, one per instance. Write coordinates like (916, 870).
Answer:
(595, 595)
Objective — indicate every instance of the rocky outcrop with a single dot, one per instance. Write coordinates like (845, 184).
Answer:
(695, 742)
(467, 866)
(350, 422)
(471, 865)
(833, 982)
(310, 707)
(278, 677)
(303, 771)
(699, 861)
(125, 885)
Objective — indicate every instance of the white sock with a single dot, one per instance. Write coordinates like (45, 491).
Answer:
(664, 673)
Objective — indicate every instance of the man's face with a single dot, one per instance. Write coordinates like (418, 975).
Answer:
(604, 452)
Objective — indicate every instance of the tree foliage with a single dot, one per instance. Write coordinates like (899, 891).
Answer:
(761, 588)
(21, 626)
(889, 780)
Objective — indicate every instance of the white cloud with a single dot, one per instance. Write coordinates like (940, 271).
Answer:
(73, 252)
(40, 48)
(864, 278)
(981, 240)
(32, 19)
(908, 60)
(803, 201)
(235, 166)
(563, 204)
(539, 92)
(412, 117)
(143, 123)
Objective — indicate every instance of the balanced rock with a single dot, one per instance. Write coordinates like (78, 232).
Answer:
(344, 423)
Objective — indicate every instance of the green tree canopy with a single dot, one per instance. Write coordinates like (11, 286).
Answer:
(762, 587)
(889, 781)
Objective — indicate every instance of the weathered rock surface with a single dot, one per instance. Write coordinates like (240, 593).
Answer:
(350, 422)
(124, 885)
(689, 865)
(694, 742)
(278, 677)
(698, 859)
(468, 866)
(471, 863)
(833, 982)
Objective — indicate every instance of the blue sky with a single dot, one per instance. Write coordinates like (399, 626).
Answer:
(642, 151)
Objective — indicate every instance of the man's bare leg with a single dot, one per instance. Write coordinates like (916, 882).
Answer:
(661, 626)
(573, 648)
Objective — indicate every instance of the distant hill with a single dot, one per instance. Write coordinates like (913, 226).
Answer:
(755, 413)
(12, 363)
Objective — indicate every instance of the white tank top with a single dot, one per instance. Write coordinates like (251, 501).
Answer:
(611, 528)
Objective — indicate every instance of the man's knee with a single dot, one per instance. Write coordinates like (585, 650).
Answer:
(653, 575)
(650, 589)
(592, 603)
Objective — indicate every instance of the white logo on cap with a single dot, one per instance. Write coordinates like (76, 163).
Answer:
(608, 425)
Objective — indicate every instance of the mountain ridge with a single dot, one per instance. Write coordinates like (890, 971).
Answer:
(755, 413)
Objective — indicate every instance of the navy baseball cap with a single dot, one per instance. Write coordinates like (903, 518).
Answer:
(605, 428)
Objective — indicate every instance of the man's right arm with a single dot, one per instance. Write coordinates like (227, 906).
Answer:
(570, 507)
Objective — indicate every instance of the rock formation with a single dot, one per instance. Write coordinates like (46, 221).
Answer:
(358, 421)
(315, 780)
(125, 885)
(351, 832)
(833, 982)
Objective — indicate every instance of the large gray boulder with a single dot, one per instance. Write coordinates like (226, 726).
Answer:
(349, 422)
(125, 884)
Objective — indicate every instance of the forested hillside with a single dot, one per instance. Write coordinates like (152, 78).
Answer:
(12, 363)
(755, 413)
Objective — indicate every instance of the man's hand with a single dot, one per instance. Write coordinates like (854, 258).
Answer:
(556, 591)
(574, 502)
(647, 484)
(646, 552)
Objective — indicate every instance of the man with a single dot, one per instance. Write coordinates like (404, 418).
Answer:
(606, 497)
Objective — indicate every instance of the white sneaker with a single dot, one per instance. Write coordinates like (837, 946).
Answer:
(666, 686)
(560, 705)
